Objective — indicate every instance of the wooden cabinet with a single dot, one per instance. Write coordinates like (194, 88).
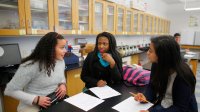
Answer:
(12, 18)
(39, 16)
(10, 104)
(110, 17)
(141, 23)
(21, 17)
(151, 25)
(146, 22)
(194, 64)
(98, 16)
(74, 83)
(168, 27)
(155, 22)
(135, 21)
(128, 22)
(73, 16)
(120, 22)
(135, 59)
(84, 15)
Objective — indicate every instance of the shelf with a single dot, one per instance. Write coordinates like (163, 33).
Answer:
(61, 5)
(39, 10)
(83, 9)
(67, 21)
(83, 22)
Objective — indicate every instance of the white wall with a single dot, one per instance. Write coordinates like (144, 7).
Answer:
(180, 18)
(157, 8)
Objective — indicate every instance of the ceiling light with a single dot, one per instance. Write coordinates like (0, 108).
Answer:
(191, 6)
(192, 9)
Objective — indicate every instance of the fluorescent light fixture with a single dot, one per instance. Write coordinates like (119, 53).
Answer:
(192, 9)
(188, 6)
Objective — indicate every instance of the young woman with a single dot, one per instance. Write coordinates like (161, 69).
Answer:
(103, 65)
(172, 82)
(40, 74)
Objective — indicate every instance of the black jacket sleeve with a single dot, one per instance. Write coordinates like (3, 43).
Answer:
(86, 75)
(182, 96)
(116, 72)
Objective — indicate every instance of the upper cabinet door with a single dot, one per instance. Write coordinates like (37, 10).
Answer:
(129, 22)
(98, 16)
(168, 27)
(151, 24)
(146, 24)
(155, 25)
(84, 16)
(110, 17)
(158, 25)
(135, 21)
(39, 16)
(120, 20)
(64, 17)
(141, 23)
(12, 17)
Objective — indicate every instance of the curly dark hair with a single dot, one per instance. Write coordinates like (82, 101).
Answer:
(44, 52)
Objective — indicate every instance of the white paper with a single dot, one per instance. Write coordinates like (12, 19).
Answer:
(130, 105)
(104, 92)
(84, 101)
(191, 53)
(188, 56)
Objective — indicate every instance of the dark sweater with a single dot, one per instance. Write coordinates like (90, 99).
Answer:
(93, 71)
(183, 98)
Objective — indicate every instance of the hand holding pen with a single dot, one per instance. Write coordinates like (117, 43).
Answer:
(139, 97)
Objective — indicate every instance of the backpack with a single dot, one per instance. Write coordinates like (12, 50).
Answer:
(135, 76)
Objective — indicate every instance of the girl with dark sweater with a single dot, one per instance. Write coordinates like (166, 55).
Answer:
(103, 65)
(172, 83)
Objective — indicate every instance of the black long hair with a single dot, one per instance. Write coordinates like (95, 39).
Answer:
(169, 59)
(44, 52)
(112, 48)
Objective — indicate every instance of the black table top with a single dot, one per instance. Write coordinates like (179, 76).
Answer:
(106, 106)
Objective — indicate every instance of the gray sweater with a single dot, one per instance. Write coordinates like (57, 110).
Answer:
(28, 82)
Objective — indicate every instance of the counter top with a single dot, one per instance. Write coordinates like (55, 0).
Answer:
(80, 64)
(139, 52)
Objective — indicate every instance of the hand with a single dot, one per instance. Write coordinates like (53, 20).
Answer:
(107, 57)
(144, 111)
(101, 83)
(44, 101)
(140, 97)
(61, 91)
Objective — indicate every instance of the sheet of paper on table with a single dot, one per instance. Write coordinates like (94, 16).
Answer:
(84, 101)
(130, 105)
(104, 92)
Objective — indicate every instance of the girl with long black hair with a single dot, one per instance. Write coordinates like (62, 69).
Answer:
(40, 74)
(172, 83)
(103, 65)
